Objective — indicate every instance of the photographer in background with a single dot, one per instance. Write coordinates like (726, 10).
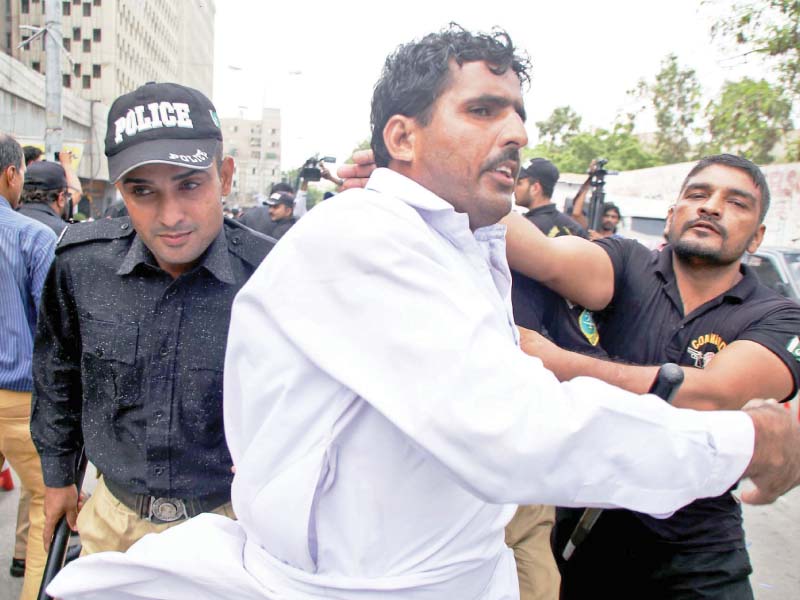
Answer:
(46, 197)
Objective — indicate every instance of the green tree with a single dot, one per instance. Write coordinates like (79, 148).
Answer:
(675, 99)
(619, 145)
(749, 118)
(771, 29)
(562, 124)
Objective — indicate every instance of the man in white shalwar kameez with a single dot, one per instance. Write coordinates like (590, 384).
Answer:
(382, 418)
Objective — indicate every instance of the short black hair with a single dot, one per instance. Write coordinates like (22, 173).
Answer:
(610, 206)
(416, 74)
(32, 153)
(38, 195)
(10, 152)
(736, 162)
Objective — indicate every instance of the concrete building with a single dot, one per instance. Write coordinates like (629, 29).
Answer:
(22, 114)
(256, 147)
(117, 45)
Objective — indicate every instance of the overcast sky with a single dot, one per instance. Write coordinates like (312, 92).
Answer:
(318, 60)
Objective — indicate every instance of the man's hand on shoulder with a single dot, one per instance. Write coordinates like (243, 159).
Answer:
(775, 466)
(57, 502)
(356, 175)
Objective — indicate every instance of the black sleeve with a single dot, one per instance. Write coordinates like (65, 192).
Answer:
(57, 390)
(619, 250)
(572, 327)
(778, 331)
(529, 299)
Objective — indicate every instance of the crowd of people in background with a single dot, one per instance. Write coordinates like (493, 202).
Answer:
(405, 365)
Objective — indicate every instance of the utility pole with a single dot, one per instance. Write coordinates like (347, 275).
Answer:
(54, 118)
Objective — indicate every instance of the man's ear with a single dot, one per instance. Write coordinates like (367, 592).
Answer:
(226, 171)
(399, 136)
(757, 238)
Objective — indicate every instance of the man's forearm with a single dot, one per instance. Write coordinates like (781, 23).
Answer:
(556, 261)
(694, 393)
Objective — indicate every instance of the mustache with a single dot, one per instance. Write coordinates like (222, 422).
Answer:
(717, 227)
(504, 156)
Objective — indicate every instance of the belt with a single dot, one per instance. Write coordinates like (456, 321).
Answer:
(166, 510)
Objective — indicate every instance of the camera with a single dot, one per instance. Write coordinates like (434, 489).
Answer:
(310, 171)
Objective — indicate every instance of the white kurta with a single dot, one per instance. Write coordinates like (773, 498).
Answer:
(384, 422)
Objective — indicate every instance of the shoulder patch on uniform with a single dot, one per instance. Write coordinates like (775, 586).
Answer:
(102, 229)
(794, 348)
(251, 246)
(588, 327)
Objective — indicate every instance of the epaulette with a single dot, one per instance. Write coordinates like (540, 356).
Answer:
(251, 246)
(102, 229)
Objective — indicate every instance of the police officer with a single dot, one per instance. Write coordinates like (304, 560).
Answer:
(46, 197)
(281, 209)
(534, 191)
(130, 347)
(694, 304)
(539, 308)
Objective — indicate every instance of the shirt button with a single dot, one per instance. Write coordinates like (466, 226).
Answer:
(124, 226)
(158, 414)
(164, 351)
(236, 241)
(158, 470)
(98, 352)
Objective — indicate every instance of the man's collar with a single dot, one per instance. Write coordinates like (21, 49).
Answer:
(544, 208)
(740, 291)
(41, 207)
(215, 259)
(392, 183)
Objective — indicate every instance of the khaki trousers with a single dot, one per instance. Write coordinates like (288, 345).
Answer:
(106, 524)
(23, 523)
(528, 535)
(17, 447)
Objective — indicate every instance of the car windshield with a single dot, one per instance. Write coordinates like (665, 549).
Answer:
(793, 260)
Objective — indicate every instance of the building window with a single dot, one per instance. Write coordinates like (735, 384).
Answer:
(25, 7)
(76, 2)
(66, 80)
(76, 70)
(66, 9)
(76, 33)
(254, 171)
(67, 44)
(36, 66)
(97, 3)
(96, 71)
(97, 35)
(87, 45)
(87, 9)
(256, 155)
(86, 82)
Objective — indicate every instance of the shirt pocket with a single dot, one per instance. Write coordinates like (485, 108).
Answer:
(200, 407)
(108, 362)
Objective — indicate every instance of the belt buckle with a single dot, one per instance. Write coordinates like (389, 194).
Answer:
(167, 510)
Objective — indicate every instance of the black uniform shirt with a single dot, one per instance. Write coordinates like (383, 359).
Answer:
(281, 226)
(44, 214)
(128, 360)
(553, 223)
(539, 308)
(645, 324)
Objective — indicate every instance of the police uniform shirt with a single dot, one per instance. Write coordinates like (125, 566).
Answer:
(44, 214)
(553, 223)
(538, 308)
(128, 360)
(280, 227)
(645, 324)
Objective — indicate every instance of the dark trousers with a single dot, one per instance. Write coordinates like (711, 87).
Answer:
(620, 560)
